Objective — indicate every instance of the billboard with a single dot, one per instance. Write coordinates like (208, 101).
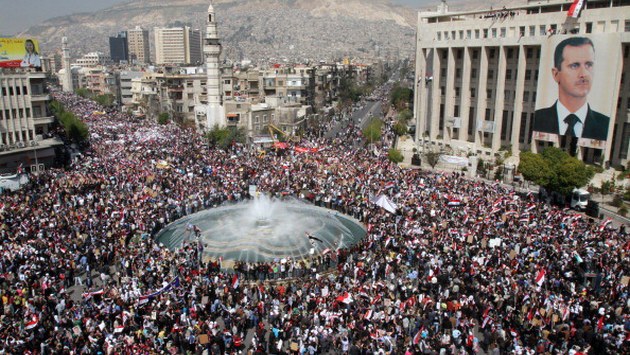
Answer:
(577, 91)
(19, 52)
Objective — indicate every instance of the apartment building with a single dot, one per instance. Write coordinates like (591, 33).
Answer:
(25, 121)
(178, 45)
(138, 45)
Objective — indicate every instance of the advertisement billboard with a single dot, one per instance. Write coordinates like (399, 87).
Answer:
(19, 53)
(577, 91)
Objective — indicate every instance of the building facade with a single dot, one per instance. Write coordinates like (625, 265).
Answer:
(481, 76)
(178, 45)
(139, 46)
(25, 121)
(118, 48)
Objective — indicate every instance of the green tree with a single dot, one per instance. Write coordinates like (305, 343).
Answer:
(105, 100)
(400, 128)
(433, 157)
(395, 155)
(372, 132)
(555, 170)
(225, 137)
(535, 168)
(401, 97)
(83, 92)
(405, 115)
(163, 118)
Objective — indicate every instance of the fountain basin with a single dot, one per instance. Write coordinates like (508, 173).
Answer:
(263, 230)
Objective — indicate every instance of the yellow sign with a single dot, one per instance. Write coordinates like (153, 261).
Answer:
(19, 52)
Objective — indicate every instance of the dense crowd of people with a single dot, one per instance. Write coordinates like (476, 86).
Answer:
(464, 266)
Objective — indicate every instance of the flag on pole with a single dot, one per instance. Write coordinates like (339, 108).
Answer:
(32, 323)
(93, 293)
(605, 224)
(418, 336)
(235, 281)
(345, 298)
(540, 277)
(453, 202)
(574, 10)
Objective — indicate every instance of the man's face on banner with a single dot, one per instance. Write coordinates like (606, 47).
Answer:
(576, 71)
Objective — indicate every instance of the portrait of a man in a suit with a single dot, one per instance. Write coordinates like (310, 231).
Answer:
(571, 116)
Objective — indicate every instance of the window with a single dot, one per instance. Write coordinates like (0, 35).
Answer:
(490, 74)
(459, 54)
(510, 53)
(458, 73)
(475, 54)
(439, 36)
(589, 27)
(443, 72)
(256, 119)
(457, 90)
(532, 31)
(503, 32)
(473, 73)
(473, 92)
(525, 96)
(489, 94)
(626, 26)
(477, 34)
(508, 74)
(530, 53)
(227, 81)
(491, 53)
(264, 118)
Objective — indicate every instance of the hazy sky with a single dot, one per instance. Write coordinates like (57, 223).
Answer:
(18, 15)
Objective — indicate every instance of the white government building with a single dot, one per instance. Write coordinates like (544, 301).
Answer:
(481, 75)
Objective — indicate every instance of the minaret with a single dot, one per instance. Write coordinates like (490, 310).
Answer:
(67, 76)
(215, 113)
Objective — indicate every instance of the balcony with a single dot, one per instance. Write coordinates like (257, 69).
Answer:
(43, 120)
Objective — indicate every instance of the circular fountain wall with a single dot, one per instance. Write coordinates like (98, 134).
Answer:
(265, 230)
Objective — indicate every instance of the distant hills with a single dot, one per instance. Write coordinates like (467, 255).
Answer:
(252, 29)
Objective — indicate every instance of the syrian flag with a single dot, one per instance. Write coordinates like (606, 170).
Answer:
(32, 324)
(497, 203)
(418, 336)
(530, 206)
(119, 329)
(453, 202)
(390, 184)
(345, 298)
(93, 293)
(20, 169)
(540, 277)
(368, 314)
(574, 10)
(605, 224)
(235, 281)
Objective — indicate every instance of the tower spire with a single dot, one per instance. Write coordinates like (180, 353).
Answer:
(212, 51)
(66, 82)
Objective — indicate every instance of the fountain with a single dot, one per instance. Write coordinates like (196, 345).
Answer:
(265, 229)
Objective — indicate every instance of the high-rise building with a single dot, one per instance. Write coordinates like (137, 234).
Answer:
(138, 42)
(118, 48)
(178, 45)
(495, 80)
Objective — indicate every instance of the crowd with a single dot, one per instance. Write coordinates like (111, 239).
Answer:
(464, 266)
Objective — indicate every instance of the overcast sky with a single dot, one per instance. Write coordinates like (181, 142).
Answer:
(18, 15)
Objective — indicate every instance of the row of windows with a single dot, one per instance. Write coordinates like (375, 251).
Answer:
(530, 31)
(10, 91)
(492, 53)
